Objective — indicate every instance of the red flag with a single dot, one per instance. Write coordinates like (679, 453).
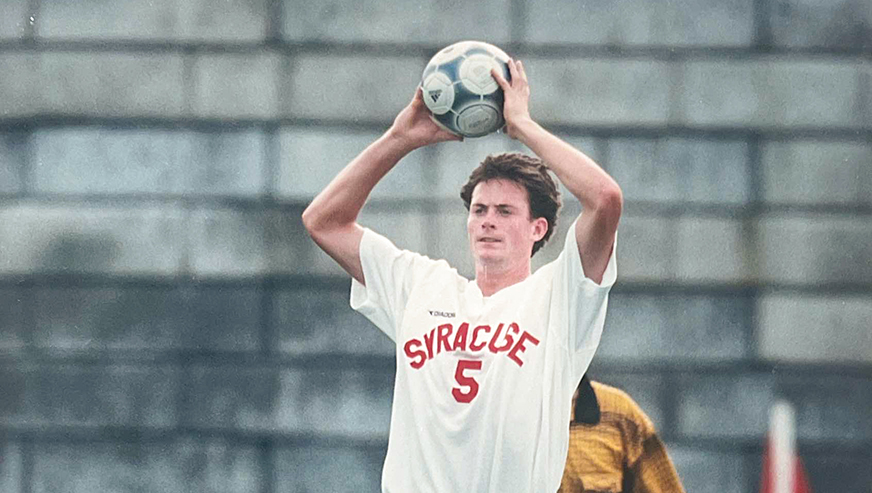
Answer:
(782, 468)
(767, 481)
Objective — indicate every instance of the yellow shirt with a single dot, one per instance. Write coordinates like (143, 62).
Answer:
(620, 453)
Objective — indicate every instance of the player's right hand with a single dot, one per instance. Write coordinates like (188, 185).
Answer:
(414, 126)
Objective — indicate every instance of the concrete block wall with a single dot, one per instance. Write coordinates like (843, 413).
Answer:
(166, 324)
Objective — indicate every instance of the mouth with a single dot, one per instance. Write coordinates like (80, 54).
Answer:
(488, 239)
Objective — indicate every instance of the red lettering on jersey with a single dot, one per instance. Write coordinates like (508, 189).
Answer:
(514, 329)
(519, 347)
(445, 338)
(465, 381)
(460, 337)
(472, 345)
(442, 338)
(508, 339)
(492, 345)
(418, 354)
(428, 341)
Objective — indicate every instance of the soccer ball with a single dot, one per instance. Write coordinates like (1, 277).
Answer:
(459, 90)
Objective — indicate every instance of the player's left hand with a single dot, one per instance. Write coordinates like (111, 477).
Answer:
(516, 108)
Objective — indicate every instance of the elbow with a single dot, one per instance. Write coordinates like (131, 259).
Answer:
(609, 204)
(314, 224)
(311, 221)
(610, 200)
(321, 223)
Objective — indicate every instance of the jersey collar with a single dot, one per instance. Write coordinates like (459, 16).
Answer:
(587, 409)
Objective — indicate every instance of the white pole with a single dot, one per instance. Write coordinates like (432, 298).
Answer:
(782, 428)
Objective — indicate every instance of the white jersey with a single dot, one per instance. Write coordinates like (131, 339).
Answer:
(483, 388)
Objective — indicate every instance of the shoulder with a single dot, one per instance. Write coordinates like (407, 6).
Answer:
(618, 403)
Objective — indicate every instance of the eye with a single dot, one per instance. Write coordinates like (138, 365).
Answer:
(504, 212)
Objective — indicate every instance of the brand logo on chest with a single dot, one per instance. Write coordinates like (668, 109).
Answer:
(439, 313)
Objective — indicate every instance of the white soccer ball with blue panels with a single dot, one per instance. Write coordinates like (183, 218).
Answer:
(459, 90)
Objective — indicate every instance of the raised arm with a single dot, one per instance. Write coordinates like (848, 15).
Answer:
(331, 218)
(600, 196)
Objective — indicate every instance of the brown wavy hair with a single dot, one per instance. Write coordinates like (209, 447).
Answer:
(529, 172)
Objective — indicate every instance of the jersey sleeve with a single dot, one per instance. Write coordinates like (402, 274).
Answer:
(653, 471)
(649, 467)
(580, 302)
(390, 274)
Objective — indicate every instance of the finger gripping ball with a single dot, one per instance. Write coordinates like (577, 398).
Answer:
(459, 90)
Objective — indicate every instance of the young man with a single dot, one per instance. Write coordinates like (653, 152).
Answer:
(485, 368)
(613, 446)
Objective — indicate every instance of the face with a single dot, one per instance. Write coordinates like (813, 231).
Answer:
(499, 226)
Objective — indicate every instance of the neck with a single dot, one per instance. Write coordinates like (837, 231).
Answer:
(492, 278)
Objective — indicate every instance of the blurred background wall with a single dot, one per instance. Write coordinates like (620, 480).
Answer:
(167, 326)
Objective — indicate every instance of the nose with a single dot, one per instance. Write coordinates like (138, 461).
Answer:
(487, 222)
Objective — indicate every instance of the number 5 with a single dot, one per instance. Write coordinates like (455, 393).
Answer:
(465, 381)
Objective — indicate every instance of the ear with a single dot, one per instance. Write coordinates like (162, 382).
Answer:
(540, 227)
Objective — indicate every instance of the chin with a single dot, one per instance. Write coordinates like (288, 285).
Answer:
(488, 259)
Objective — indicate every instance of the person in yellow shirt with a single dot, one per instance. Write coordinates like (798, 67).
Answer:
(613, 446)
